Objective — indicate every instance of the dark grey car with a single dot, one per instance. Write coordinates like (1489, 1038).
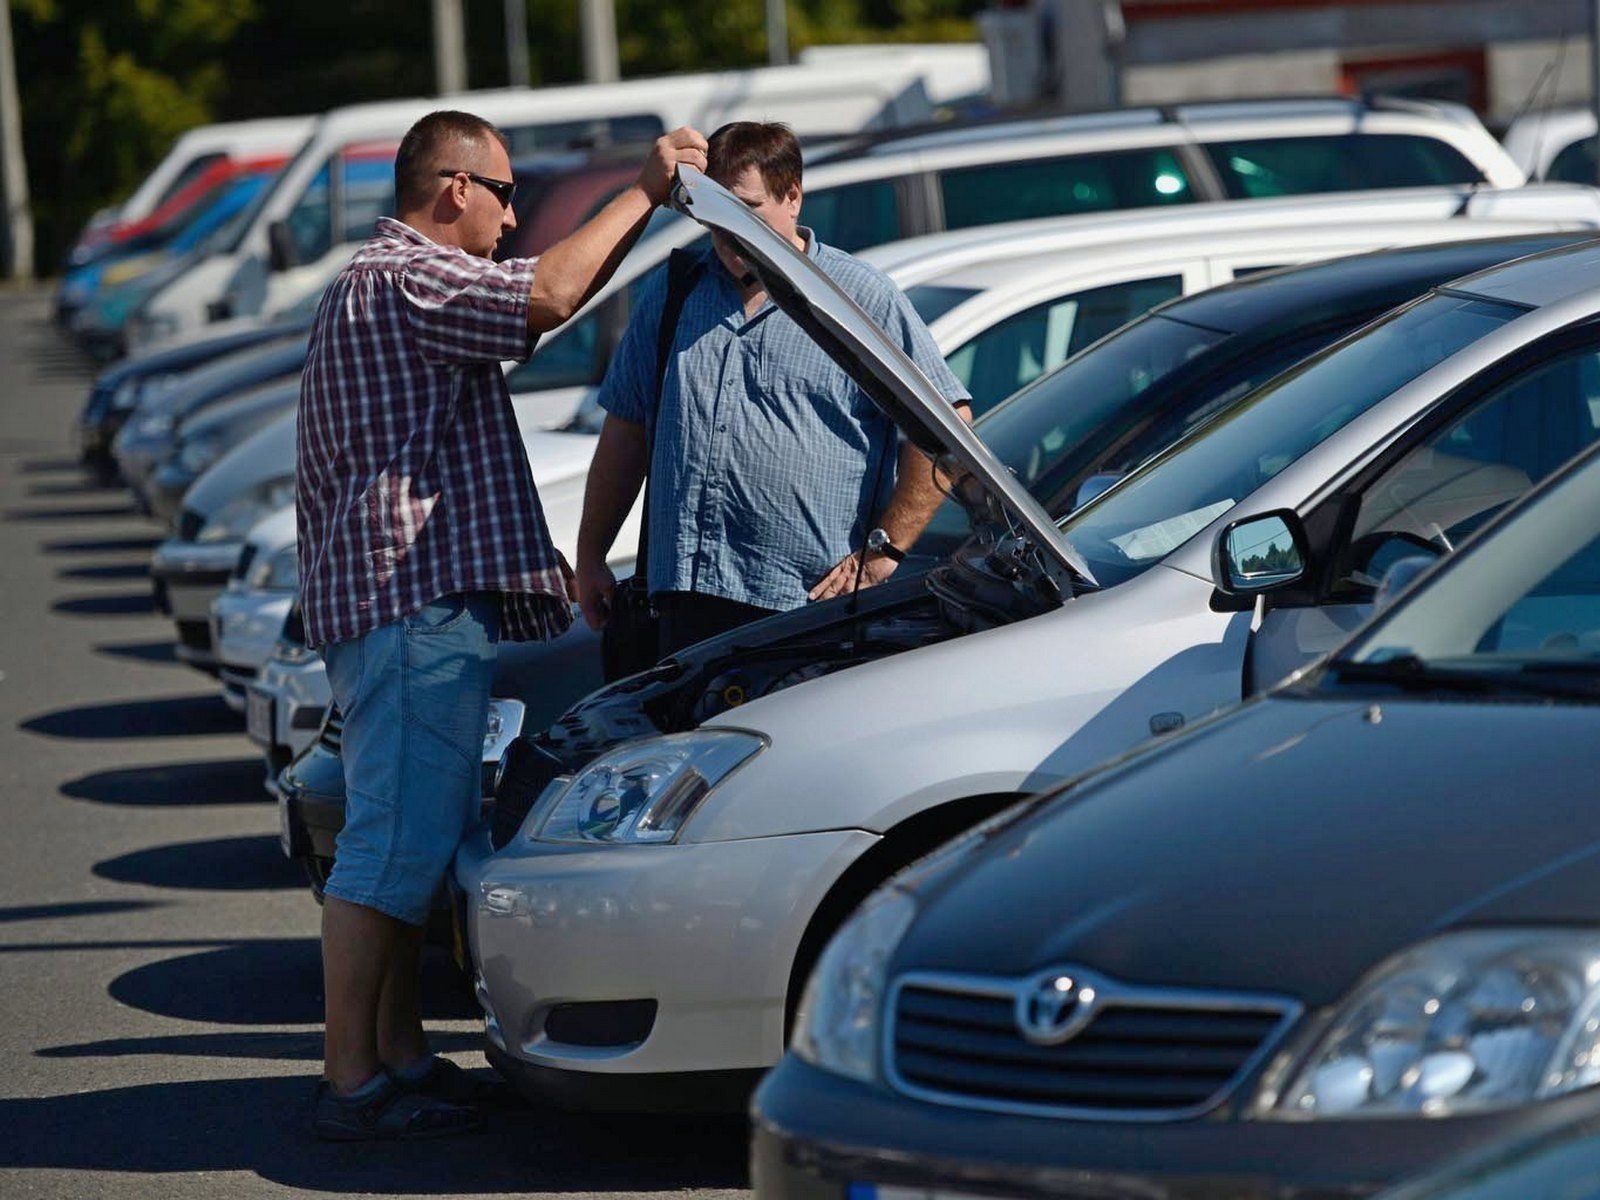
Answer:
(1330, 938)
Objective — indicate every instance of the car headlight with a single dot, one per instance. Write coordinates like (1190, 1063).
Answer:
(198, 453)
(238, 516)
(643, 792)
(838, 1027)
(279, 572)
(1470, 1021)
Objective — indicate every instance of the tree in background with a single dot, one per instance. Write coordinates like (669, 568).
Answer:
(106, 85)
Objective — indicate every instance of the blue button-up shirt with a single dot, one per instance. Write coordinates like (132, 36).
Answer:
(769, 460)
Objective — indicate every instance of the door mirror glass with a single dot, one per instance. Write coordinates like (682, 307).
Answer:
(282, 252)
(1261, 553)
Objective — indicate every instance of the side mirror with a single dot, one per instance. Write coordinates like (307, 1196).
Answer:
(1261, 553)
(282, 253)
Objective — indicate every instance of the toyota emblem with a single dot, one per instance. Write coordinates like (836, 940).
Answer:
(1054, 1008)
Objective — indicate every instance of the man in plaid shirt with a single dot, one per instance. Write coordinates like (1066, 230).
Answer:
(421, 545)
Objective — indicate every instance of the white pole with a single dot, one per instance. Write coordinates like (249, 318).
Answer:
(597, 20)
(519, 72)
(778, 32)
(449, 47)
(13, 167)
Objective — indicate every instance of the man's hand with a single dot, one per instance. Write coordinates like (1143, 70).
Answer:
(842, 578)
(594, 587)
(683, 145)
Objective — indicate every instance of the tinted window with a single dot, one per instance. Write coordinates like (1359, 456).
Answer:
(932, 300)
(1450, 485)
(367, 195)
(1575, 164)
(1085, 183)
(552, 135)
(310, 221)
(1019, 349)
(1298, 165)
(1187, 487)
(854, 217)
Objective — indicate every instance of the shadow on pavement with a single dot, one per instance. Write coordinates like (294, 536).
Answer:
(174, 716)
(233, 864)
(149, 652)
(125, 545)
(49, 466)
(268, 981)
(259, 1125)
(133, 570)
(81, 487)
(70, 514)
(125, 604)
(274, 1047)
(222, 782)
(83, 908)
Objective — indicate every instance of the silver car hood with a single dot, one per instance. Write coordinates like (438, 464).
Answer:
(884, 371)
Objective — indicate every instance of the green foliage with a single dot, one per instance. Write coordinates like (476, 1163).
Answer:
(107, 84)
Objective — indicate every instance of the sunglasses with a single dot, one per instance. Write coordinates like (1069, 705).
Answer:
(503, 189)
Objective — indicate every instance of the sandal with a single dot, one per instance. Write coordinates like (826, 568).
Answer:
(393, 1114)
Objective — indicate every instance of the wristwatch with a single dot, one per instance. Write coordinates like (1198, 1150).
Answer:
(878, 542)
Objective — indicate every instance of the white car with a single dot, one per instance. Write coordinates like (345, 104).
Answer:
(658, 911)
(1555, 143)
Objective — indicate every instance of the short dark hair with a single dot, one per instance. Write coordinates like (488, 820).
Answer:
(768, 146)
(417, 165)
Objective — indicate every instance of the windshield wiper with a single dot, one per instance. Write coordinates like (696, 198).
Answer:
(1413, 674)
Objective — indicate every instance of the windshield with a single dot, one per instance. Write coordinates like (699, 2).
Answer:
(1527, 599)
(1181, 492)
(233, 237)
(1041, 425)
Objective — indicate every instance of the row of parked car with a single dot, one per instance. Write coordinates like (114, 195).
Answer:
(993, 848)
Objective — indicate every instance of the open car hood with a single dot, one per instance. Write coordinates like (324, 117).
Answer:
(886, 373)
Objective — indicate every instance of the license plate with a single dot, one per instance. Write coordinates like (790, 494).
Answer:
(258, 717)
(285, 838)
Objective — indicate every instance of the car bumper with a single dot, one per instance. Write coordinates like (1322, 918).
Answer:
(284, 708)
(187, 577)
(703, 932)
(818, 1135)
(245, 625)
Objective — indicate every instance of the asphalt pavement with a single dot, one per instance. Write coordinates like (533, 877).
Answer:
(160, 981)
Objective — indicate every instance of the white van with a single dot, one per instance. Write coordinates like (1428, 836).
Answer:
(313, 213)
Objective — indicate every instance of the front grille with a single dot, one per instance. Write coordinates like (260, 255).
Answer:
(1143, 1053)
(195, 635)
(190, 523)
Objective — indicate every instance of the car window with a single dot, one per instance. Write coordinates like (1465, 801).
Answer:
(1188, 486)
(311, 220)
(1575, 164)
(551, 135)
(191, 170)
(1291, 166)
(367, 194)
(567, 358)
(933, 300)
(1451, 484)
(854, 216)
(1015, 191)
(1019, 349)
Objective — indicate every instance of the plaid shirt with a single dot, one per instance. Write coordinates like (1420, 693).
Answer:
(411, 479)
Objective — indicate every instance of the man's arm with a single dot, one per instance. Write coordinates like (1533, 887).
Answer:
(619, 466)
(916, 497)
(575, 268)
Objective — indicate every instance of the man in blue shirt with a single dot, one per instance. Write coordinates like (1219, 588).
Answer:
(774, 478)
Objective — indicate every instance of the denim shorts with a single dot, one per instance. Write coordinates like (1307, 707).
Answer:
(415, 699)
